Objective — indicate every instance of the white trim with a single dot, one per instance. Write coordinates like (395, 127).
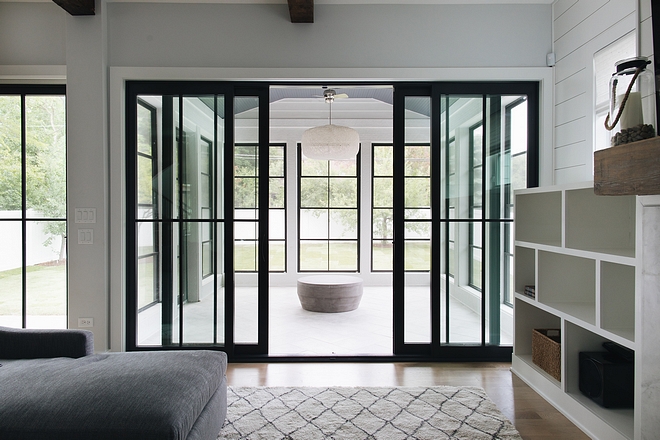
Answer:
(32, 74)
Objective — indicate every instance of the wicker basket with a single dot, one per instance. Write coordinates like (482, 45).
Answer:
(546, 350)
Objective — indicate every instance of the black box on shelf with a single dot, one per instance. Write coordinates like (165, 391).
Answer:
(530, 291)
(607, 379)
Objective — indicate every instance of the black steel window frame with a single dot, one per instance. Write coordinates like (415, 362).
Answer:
(329, 240)
(24, 91)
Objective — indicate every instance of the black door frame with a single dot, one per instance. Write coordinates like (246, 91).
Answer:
(435, 350)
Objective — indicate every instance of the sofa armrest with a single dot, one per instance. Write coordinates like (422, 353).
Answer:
(33, 343)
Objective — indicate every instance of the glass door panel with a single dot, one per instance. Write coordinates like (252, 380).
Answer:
(246, 218)
(412, 157)
(178, 294)
(462, 133)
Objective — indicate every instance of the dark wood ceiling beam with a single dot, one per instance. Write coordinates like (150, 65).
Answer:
(77, 7)
(301, 11)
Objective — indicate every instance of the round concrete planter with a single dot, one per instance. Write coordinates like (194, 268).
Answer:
(330, 293)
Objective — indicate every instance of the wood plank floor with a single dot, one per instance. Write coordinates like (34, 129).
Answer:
(534, 418)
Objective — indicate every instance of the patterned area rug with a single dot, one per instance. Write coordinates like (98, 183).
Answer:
(442, 412)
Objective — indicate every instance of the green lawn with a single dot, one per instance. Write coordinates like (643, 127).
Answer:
(46, 291)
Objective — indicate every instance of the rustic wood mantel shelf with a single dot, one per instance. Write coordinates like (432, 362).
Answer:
(628, 169)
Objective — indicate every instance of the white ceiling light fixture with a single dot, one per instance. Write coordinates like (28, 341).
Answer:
(330, 142)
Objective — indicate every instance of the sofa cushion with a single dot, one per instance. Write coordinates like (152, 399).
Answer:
(137, 395)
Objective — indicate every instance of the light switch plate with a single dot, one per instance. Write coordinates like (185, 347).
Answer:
(85, 236)
(85, 215)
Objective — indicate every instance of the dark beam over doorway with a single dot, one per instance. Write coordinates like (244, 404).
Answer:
(301, 11)
(77, 7)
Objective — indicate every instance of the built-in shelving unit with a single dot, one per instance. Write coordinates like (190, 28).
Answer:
(578, 250)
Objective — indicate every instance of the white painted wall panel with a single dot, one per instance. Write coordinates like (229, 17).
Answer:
(646, 40)
(580, 29)
(572, 174)
(571, 63)
(571, 110)
(565, 156)
(602, 19)
(570, 133)
(560, 7)
(571, 87)
(579, 14)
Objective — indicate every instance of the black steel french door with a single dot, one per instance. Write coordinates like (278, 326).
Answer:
(183, 213)
(459, 152)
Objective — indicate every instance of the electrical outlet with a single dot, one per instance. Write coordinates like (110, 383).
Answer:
(85, 322)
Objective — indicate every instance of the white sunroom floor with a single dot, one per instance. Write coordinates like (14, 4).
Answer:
(294, 331)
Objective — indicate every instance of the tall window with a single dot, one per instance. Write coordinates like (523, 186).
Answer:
(246, 198)
(382, 214)
(33, 289)
(328, 215)
(277, 208)
(148, 254)
(417, 207)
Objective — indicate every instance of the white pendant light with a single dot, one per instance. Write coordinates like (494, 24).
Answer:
(330, 142)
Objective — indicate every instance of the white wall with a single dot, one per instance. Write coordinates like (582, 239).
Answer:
(232, 35)
(580, 29)
(94, 55)
(32, 34)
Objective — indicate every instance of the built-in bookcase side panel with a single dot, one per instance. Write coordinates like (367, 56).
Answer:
(617, 299)
(600, 223)
(538, 218)
(525, 268)
(568, 283)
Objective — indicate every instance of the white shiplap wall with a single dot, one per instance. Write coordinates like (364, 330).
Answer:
(580, 29)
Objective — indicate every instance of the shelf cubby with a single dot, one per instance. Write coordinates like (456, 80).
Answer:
(600, 224)
(617, 299)
(525, 267)
(568, 283)
(577, 339)
(538, 218)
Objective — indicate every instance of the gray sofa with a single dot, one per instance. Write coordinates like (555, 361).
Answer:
(52, 386)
